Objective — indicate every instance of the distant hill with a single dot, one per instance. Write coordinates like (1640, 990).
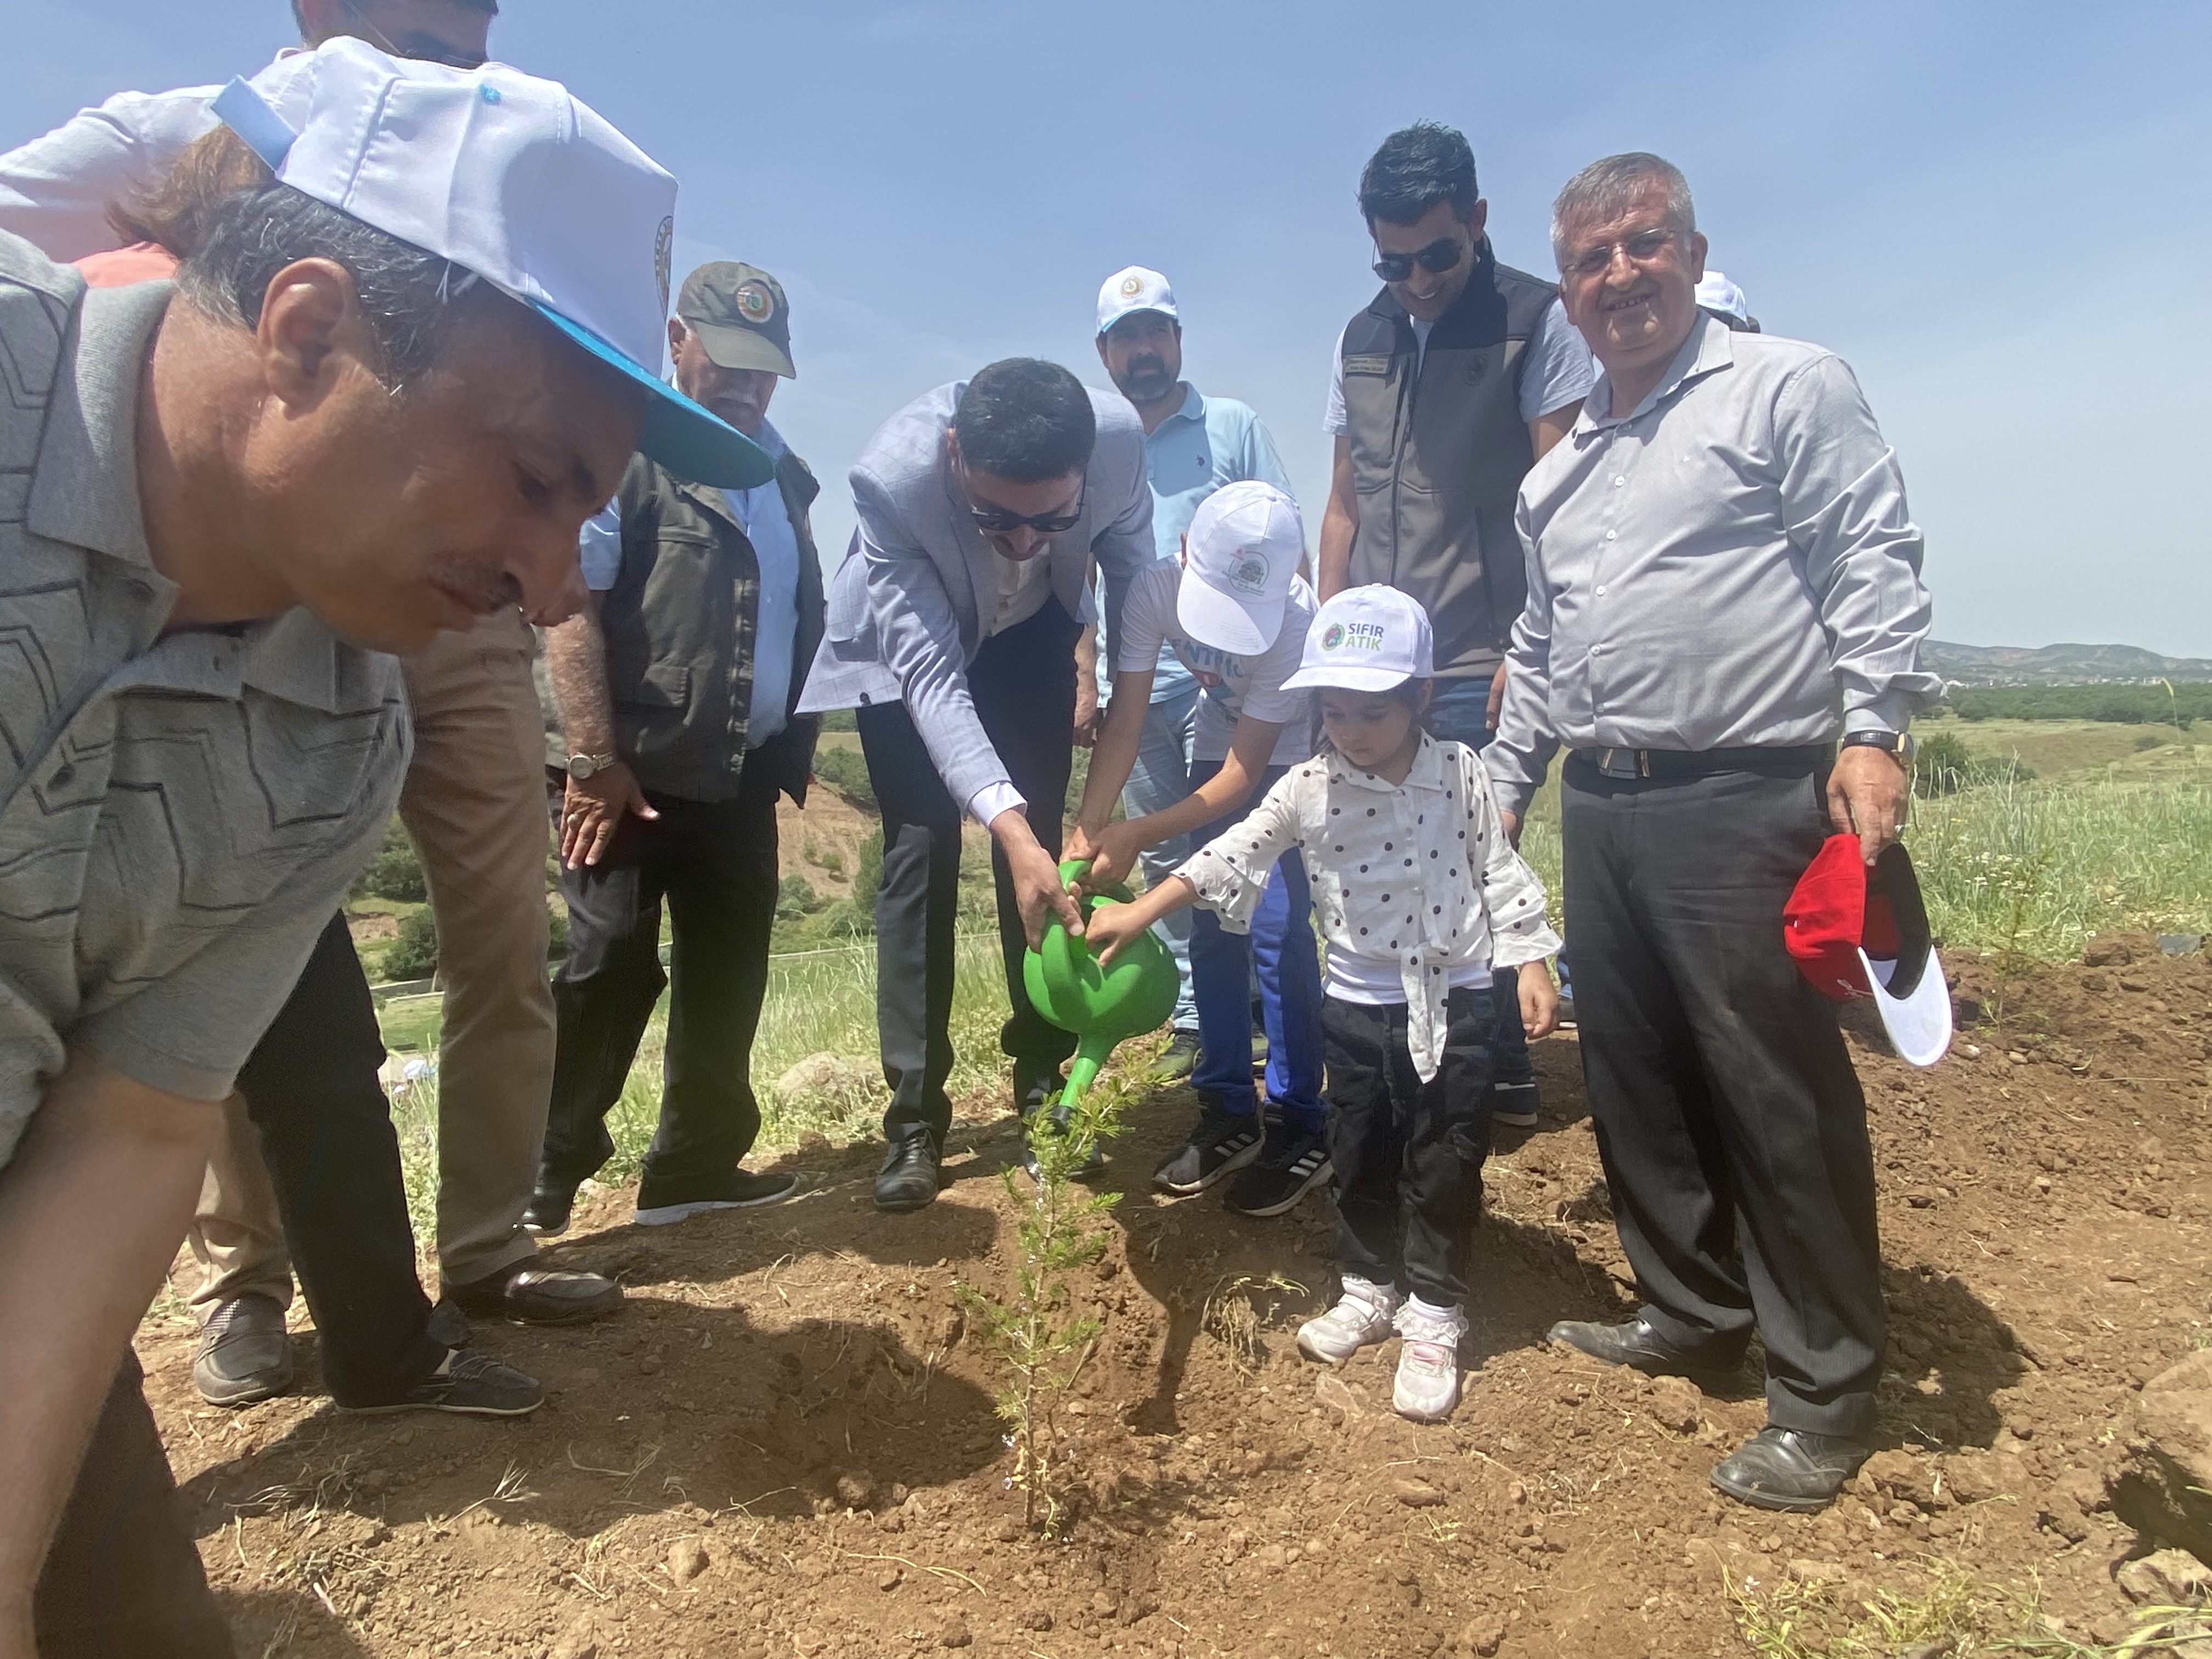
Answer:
(2058, 665)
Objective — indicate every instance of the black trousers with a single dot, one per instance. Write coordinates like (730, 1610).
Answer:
(310, 1089)
(1408, 1155)
(122, 1579)
(715, 864)
(1023, 682)
(1730, 1123)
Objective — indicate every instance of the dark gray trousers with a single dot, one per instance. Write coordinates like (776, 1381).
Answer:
(1730, 1123)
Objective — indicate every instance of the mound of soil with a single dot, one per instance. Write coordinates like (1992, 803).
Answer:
(786, 1442)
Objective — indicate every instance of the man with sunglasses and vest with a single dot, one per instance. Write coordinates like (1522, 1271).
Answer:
(953, 627)
(1446, 389)
(676, 688)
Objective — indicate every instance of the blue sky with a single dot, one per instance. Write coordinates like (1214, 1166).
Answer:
(1986, 210)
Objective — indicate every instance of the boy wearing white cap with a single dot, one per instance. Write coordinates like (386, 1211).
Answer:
(1421, 895)
(1234, 611)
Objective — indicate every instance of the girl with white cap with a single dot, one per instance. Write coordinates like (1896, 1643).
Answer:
(1420, 897)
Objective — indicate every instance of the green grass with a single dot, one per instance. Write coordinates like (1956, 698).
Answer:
(2039, 869)
(816, 1004)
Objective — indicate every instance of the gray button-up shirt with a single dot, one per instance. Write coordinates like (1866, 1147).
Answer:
(1729, 564)
(181, 814)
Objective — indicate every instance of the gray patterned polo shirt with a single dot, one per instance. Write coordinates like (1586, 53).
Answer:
(181, 814)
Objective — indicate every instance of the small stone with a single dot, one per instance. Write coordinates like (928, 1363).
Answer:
(687, 1559)
(2170, 1577)
(1037, 1619)
(580, 1642)
(1417, 1494)
(1815, 1572)
(1335, 1393)
(889, 1578)
(809, 1642)
(955, 1633)
(856, 1489)
(1676, 1404)
(1483, 1636)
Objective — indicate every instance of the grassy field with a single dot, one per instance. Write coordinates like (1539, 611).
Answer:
(820, 1003)
(2112, 833)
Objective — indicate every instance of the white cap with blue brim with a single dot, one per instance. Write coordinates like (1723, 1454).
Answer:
(517, 181)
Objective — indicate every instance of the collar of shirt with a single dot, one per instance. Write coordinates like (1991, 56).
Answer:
(1192, 408)
(1427, 771)
(1708, 349)
(85, 492)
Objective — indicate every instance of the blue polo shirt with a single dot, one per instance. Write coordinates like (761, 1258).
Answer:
(1207, 443)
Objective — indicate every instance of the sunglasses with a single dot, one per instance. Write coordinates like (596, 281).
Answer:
(1439, 256)
(997, 521)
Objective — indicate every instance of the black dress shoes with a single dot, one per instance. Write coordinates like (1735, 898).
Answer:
(1634, 1343)
(1790, 1469)
(908, 1180)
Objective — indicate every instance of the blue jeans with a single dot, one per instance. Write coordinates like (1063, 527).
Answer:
(1460, 711)
(1160, 778)
(1281, 944)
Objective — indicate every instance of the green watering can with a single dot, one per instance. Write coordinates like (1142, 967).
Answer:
(1102, 1005)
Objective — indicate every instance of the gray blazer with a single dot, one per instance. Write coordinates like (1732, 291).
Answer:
(906, 606)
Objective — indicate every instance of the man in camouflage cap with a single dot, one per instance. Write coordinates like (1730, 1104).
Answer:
(677, 691)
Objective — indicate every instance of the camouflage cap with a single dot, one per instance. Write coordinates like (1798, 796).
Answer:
(740, 315)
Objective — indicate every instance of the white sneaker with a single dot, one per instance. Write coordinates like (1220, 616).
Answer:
(1428, 1365)
(1361, 1318)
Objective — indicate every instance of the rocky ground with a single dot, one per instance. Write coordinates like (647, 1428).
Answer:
(786, 1442)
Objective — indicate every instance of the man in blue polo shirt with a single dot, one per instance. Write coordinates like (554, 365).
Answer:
(1192, 445)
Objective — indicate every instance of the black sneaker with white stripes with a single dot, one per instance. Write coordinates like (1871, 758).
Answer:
(1291, 1163)
(1513, 1104)
(1222, 1144)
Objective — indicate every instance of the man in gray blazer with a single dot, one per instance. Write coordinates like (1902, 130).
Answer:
(951, 626)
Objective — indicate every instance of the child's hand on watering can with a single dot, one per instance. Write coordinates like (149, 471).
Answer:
(1113, 853)
(1111, 927)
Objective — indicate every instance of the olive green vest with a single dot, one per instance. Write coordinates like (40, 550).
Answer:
(1438, 456)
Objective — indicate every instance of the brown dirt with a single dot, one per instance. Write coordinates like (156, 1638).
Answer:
(790, 1398)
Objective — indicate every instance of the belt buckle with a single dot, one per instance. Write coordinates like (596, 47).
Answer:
(1623, 762)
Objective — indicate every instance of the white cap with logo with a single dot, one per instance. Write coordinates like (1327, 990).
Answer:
(1134, 288)
(514, 178)
(1241, 554)
(1366, 639)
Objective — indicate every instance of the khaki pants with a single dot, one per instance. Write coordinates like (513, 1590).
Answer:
(475, 805)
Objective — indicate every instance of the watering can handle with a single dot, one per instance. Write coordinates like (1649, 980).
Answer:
(1071, 869)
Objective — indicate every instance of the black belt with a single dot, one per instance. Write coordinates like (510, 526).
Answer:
(1702, 762)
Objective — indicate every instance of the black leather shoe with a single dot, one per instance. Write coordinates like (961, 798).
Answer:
(908, 1180)
(245, 1354)
(547, 1215)
(1092, 1166)
(530, 1294)
(1790, 1469)
(1035, 1086)
(1634, 1343)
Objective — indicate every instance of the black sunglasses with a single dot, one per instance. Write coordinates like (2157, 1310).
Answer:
(1439, 256)
(999, 522)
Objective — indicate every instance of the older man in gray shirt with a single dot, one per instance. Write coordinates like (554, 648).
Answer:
(1723, 581)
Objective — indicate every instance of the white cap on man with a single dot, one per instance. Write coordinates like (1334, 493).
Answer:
(1134, 287)
(517, 181)
(1240, 556)
(1366, 639)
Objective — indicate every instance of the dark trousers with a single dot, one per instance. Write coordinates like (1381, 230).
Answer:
(311, 1088)
(1023, 683)
(1730, 1123)
(123, 1580)
(1408, 1155)
(715, 864)
(1459, 711)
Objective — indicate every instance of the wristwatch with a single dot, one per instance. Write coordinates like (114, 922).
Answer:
(581, 767)
(1898, 744)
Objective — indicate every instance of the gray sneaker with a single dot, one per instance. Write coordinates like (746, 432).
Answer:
(474, 1384)
(244, 1353)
